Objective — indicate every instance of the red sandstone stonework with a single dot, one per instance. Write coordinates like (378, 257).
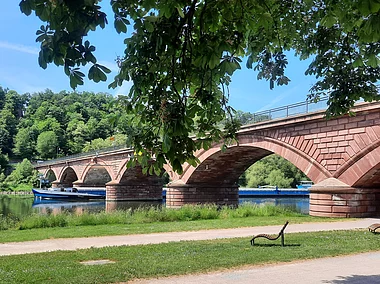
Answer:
(344, 149)
(179, 195)
(334, 145)
(133, 192)
(348, 202)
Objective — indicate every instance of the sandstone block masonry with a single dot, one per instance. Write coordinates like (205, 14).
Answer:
(343, 151)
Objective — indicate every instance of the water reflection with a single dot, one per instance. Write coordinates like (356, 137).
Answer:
(299, 204)
(16, 206)
(46, 206)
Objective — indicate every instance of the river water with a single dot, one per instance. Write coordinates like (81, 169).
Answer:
(24, 205)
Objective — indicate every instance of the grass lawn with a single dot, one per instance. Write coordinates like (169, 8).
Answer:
(15, 235)
(131, 262)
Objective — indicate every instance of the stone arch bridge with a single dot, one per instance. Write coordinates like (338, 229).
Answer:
(341, 156)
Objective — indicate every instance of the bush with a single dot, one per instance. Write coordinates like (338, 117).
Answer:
(44, 221)
(8, 222)
(24, 173)
(5, 186)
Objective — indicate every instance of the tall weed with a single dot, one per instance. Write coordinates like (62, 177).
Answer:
(150, 215)
(8, 222)
(44, 221)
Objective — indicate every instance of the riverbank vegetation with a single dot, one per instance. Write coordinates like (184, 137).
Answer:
(178, 258)
(154, 214)
(22, 178)
(144, 215)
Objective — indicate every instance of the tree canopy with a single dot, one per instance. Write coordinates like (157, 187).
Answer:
(272, 170)
(48, 125)
(182, 54)
(23, 173)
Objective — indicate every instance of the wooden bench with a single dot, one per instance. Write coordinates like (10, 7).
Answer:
(374, 227)
(271, 238)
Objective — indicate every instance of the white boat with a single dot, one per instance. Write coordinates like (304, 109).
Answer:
(65, 193)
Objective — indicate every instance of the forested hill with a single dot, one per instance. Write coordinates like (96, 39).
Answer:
(47, 125)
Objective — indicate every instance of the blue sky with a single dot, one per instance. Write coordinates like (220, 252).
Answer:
(19, 69)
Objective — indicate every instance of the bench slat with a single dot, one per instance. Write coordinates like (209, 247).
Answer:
(374, 227)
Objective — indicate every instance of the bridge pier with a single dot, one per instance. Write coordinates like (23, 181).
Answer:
(58, 184)
(79, 184)
(133, 192)
(179, 194)
(332, 198)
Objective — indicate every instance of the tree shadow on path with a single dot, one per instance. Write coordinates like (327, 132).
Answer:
(356, 279)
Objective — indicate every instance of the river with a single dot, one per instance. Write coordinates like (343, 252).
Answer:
(24, 205)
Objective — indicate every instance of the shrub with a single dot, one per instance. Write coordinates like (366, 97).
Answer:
(24, 173)
(44, 221)
(7, 222)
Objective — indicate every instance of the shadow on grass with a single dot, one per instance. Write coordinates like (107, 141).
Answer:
(276, 245)
(356, 279)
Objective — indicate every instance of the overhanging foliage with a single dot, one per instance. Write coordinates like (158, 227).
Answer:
(182, 54)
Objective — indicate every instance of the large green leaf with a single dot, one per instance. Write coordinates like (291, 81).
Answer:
(328, 21)
(166, 143)
(120, 25)
(25, 7)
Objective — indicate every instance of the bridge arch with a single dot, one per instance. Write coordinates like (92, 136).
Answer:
(67, 177)
(135, 175)
(50, 175)
(96, 173)
(215, 178)
(96, 176)
(224, 167)
(122, 169)
(247, 152)
(363, 170)
(131, 184)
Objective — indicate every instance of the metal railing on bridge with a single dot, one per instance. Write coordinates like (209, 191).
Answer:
(275, 113)
(82, 155)
(289, 110)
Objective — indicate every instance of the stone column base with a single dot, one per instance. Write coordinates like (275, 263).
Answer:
(78, 184)
(58, 184)
(133, 192)
(127, 205)
(346, 202)
(178, 195)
